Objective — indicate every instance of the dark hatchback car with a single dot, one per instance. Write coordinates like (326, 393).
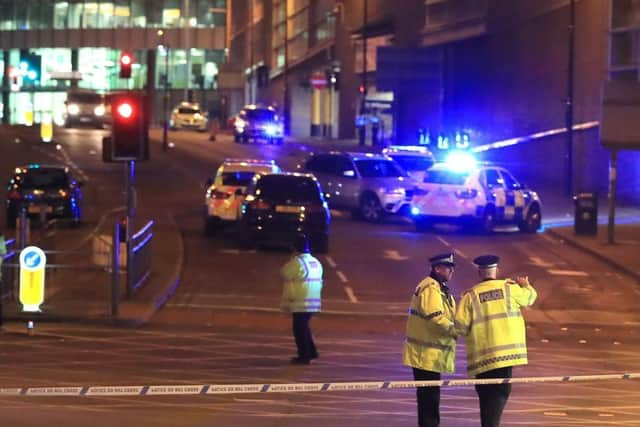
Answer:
(38, 188)
(279, 206)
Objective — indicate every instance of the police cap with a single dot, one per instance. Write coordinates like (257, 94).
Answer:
(486, 261)
(442, 259)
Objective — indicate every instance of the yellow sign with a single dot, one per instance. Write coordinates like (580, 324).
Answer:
(46, 129)
(32, 273)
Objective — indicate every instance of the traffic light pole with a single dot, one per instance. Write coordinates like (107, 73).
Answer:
(131, 182)
(165, 102)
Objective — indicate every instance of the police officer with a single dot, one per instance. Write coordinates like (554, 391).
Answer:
(430, 343)
(301, 295)
(490, 319)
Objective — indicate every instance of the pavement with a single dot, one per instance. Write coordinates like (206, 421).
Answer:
(85, 294)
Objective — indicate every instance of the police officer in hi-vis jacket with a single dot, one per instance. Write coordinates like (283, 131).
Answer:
(430, 342)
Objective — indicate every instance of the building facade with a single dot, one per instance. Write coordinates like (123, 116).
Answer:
(48, 47)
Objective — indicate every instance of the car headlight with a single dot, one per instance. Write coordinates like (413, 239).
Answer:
(99, 110)
(73, 109)
(240, 124)
(271, 129)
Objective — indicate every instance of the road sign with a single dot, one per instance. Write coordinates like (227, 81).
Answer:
(32, 264)
(318, 80)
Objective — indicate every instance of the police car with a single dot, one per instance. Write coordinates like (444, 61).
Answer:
(466, 192)
(225, 192)
(414, 159)
(188, 115)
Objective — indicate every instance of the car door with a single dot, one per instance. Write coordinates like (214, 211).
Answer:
(514, 197)
(320, 166)
(497, 192)
(346, 182)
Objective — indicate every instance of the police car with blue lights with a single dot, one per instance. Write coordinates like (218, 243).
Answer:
(461, 190)
(414, 159)
(256, 122)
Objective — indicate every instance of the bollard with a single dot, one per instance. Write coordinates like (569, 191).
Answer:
(30, 328)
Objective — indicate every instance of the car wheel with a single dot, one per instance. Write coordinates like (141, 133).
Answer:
(532, 221)
(210, 226)
(370, 208)
(423, 223)
(488, 220)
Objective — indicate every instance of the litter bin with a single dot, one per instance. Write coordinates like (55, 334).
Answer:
(586, 214)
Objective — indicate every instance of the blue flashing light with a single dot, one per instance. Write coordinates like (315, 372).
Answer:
(459, 161)
(415, 211)
(271, 129)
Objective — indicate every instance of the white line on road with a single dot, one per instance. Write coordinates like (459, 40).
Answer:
(350, 294)
(568, 273)
(444, 242)
(537, 261)
(331, 262)
(460, 254)
(342, 277)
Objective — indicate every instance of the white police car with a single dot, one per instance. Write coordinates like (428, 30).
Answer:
(414, 159)
(225, 192)
(486, 195)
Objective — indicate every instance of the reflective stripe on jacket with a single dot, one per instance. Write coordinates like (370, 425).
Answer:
(302, 276)
(490, 319)
(430, 342)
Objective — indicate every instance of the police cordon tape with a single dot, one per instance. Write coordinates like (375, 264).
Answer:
(206, 389)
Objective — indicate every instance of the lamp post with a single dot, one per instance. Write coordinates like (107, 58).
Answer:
(569, 102)
(165, 98)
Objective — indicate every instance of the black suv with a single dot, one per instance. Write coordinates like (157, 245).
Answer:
(279, 206)
(49, 188)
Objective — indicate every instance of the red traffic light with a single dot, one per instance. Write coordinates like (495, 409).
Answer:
(126, 60)
(125, 110)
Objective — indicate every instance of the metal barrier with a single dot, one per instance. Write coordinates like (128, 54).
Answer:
(141, 257)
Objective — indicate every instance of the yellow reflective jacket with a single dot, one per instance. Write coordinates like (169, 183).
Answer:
(302, 277)
(490, 319)
(430, 341)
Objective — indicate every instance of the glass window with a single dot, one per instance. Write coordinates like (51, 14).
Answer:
(298, 46)
(172, 13)
(492, 178)
(373, 168)
(413, 163)
(75, 15)
(298, 24)
(21, 15)
(43, 177)
(7, 21)
(287, 188)
(122, 14)
(41, 14)
(60, 15)
(90, 14)
(241, 178)
(443, 176)
(509, 181)
(139, 14)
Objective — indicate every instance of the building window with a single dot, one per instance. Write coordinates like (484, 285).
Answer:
(7, 22)
(40, 15)
(21, 15)
(172, 13)
(60, 14)
(138, 14)
(90, 14)
(74, 18)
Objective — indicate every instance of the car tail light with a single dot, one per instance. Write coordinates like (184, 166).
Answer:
(260, 205)
(467, 194)
(14, 195)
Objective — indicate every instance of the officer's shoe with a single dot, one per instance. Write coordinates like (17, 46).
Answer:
(300, 361)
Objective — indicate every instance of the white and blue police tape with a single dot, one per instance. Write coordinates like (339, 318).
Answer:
(158, 390)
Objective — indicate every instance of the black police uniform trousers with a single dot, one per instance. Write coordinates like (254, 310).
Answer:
(428, 399)
(302, 334)
(493, 397)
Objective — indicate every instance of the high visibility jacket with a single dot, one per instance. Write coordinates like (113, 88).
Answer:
(302, 276)
(3, 252)
(490, 319)
(430, 341)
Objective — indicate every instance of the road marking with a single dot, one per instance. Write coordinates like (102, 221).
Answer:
(568, 273)
(331, 262)
(537, 261)
(394, 255)
(350, 294)
(460, 254)
(444, 242)
(342, 277)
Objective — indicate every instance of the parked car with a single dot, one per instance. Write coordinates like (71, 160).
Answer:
(38, 188)
(279, 206)
(188, 115)
(85, 107)
(257, 122)
(225, 192)
(370, 185)
(483, 195)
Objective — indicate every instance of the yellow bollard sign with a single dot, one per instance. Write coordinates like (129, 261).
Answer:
(46, 129)
(32, 263)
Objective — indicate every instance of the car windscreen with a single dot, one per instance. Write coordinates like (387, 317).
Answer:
(240, 178)
(45, 178)
(378, 168)
(442, 176)
(261, 115)
(413, 163)
(188, 110)
(85, 98)
(288, 189)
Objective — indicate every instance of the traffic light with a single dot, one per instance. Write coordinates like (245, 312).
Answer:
(129, 131)
(126, 60)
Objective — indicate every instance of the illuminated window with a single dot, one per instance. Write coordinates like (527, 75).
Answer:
(172, 13)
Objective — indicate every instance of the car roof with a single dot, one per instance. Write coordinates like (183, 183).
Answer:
(257, 165)
(291, 174)
(188, 104)
(407, 150)
(33, 166)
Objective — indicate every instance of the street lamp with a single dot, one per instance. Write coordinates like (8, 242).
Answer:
(165, 100)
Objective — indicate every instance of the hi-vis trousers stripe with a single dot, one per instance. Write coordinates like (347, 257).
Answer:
(202, 389)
